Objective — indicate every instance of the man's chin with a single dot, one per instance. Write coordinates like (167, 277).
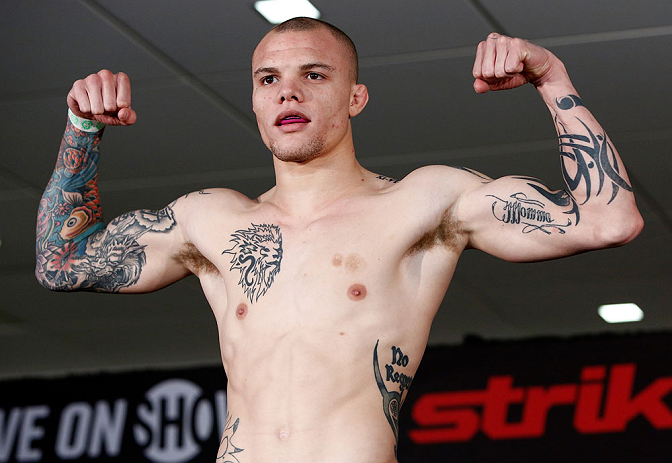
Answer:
(302, 153)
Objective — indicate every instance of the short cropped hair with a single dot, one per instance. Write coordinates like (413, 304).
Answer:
(307, 24)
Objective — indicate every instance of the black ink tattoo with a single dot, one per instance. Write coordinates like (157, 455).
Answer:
(200, 192)
(386, 178)
(560, 198)
(257, 253)
(568, 102)
(485, 178)
(392, 400)
(601, 158)
(227, 450)
(526, 211)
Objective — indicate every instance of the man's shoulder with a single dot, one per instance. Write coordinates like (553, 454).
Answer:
(430, 194)
(219, 198)
(197, 208)
(439, 179)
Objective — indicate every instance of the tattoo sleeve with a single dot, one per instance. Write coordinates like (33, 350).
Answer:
(74, 249)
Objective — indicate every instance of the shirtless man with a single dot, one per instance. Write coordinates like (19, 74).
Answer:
(333, 258)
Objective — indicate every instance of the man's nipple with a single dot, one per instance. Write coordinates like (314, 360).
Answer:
(357, 292)
(241, 311)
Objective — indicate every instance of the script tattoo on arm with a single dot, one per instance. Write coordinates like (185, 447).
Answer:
(73, 249)
(392, 400)
(519, 209)
(227, 450)
(256, 254)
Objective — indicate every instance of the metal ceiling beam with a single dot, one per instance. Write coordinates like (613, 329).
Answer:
(181, 72)
(469, 51)
(487, 17)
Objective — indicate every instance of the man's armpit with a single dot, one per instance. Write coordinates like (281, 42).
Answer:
(192, 259)
(448, 233)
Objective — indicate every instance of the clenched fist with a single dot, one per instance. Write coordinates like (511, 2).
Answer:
(104, 97)
(503, 63)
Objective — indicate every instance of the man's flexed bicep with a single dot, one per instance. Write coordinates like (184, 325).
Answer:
(74, 248)
(519, 218)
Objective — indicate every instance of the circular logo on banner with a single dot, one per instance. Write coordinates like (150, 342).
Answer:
(171, 420)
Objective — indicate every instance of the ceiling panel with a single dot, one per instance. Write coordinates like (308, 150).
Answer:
(47, 45)
(532, 19)
(203, 36)
(398, 26)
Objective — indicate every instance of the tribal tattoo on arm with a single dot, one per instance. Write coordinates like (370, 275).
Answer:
(595, 164)
(74, 250)
(590, 155)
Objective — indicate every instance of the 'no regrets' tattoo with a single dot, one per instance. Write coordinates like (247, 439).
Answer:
(257, 254)
(227, 450)
(392, 400)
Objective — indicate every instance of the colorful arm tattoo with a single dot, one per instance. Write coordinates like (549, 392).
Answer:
(74, 250)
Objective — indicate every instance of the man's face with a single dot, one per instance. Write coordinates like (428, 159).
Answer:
(302, 93)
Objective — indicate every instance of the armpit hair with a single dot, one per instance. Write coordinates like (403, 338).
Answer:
(192, 258)
(447, 233)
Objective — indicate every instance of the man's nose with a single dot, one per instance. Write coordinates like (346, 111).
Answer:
(290, 91)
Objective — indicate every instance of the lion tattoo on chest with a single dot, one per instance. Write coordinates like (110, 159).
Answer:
(256, 254)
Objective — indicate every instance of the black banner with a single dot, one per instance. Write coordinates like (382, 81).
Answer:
(158, 416)
(589, 399)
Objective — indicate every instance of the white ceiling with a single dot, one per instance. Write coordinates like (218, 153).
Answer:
(189, 64)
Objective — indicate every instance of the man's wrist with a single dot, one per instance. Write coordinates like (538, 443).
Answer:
(85, 125)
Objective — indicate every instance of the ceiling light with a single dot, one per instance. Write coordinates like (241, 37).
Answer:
(620, 313)
(277, 11)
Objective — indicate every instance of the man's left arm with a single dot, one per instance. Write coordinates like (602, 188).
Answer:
(518, 218)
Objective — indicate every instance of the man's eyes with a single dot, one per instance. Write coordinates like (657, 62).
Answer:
(267, 80)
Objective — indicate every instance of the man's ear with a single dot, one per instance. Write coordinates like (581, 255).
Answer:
(358, 99)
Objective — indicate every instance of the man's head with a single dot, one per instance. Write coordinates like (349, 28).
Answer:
(309, 24)
(305, 89)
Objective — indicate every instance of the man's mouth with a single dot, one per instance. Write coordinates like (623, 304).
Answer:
(292, 118)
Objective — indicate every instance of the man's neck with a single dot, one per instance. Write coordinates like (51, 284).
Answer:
(303, 189)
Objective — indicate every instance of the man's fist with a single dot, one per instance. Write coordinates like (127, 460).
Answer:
(104, 97)
(503, 62)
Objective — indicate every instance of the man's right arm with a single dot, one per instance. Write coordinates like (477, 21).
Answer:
(74, 249)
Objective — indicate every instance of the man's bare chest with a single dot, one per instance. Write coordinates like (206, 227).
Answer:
(259, 254)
